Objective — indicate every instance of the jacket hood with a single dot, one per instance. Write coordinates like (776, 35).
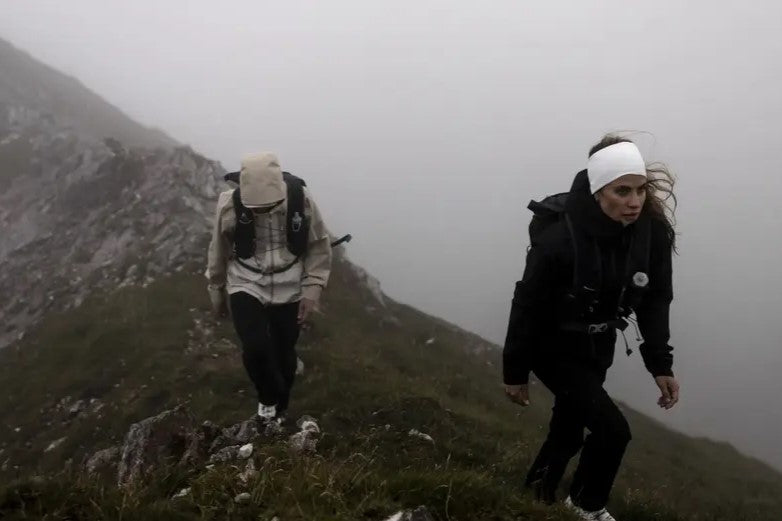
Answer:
(586, 211)
(260, 181)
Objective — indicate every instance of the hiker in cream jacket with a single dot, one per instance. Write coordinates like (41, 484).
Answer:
(273, 291)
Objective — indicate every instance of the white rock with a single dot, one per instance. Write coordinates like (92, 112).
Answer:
(77, 407)
(245, 451)
(304, 442)
(181, 493)
(421, 435)
(430, 341)
(419, 514)
(53, 445)
(310, 426)
(249, 472)
(244, 497)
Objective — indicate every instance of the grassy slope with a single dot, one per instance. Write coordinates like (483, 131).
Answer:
(129, 350)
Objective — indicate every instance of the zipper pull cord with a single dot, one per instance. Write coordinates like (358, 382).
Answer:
(628, 351)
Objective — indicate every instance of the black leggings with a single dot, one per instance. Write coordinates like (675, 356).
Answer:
(268, 335)
(580, 402)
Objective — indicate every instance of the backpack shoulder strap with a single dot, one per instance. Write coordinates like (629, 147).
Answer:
(587, 270)
(295, 187)
(587, 265)
(244, 233)
(297, 223)
(236, 198)
(641, 246)
(638, 260)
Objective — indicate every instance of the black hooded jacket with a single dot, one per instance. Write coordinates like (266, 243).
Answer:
(539, 308)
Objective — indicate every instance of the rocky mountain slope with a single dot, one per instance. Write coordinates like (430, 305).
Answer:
(26, 82)
(80, 212)
(115, 369)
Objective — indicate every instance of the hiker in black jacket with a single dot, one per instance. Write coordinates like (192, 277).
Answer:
(598, 254)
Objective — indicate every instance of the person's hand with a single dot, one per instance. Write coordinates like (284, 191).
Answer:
(306, 307)
(518, 394)
(669, 389)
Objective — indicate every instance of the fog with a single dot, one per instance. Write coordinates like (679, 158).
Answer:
(424, 128)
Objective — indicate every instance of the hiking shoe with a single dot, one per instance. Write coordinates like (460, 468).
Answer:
(597, 515)
(266, 413)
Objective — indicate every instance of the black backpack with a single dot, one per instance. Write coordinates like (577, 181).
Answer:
(297, 224)
(587, 269)
(545, 213)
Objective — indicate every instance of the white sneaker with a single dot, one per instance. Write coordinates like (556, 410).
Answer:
(266, 412)
(597, 515)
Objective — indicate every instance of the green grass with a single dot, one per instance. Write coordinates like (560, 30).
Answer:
(367, 381)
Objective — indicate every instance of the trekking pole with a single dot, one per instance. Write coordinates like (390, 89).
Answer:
(339, 241)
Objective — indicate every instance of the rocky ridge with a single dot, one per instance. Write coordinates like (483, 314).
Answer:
(80, 215)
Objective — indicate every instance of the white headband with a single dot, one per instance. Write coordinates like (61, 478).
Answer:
(609, 164)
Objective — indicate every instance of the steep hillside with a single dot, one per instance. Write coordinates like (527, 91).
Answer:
(80, 203)
(79, 214)
(26, 82)
(105, 322)
(374, 370)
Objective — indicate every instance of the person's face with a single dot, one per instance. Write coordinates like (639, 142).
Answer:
(623, 199)
(260, 210)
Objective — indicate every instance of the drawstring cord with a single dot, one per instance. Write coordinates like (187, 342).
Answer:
(634, 322)
(637, 335)
(627, 346)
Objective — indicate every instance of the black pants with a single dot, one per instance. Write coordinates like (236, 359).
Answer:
(268, 335)
(580, 402)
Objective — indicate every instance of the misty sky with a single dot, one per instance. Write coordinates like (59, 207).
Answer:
(424, 128)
